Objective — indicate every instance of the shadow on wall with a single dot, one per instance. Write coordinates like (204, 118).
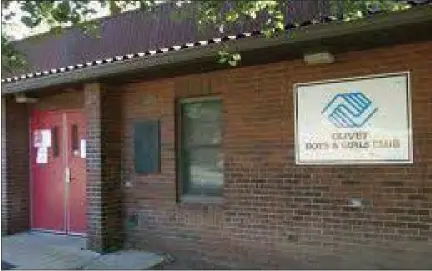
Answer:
(6, 265)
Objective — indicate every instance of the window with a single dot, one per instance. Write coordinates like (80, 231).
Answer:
(74, 138)
(55, 141)
(201, 162)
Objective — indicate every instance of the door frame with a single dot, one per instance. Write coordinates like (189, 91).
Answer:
(64, 138)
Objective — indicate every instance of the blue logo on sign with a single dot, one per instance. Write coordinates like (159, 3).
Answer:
(349, 110)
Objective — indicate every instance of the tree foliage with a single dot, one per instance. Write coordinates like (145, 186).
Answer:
(57, 14)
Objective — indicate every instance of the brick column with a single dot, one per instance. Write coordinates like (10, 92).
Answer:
(15, 205)
(104, 193)
(4, 212)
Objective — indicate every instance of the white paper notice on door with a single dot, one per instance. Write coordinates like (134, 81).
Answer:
(83, 148)
(37, 139)
(42, 155)
(46, 138)
(42, 138)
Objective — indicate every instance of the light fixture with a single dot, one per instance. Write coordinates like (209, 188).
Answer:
(21, 98)
(318, 58)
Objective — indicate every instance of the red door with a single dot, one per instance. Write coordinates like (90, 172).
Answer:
(48, 188)
(58, 171)
(76, 162)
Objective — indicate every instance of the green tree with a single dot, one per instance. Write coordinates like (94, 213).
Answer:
(57, 14)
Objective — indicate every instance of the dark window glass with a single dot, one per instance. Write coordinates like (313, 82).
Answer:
(201, 158)
(75, 137)
(55, 141)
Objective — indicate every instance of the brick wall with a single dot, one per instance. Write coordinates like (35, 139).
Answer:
(4, 211)
(275, 213)
(61, 100)
(15, 167)
(103, 168)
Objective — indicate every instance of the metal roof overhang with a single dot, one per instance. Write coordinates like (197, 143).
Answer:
(412, 25)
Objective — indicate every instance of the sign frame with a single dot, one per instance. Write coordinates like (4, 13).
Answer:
(410, 160)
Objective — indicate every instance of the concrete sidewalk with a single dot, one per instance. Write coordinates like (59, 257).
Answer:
(48, 251)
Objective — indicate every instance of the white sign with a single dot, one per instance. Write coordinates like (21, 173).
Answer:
(83, 148)
(37, 139)
(42, 138)
(354, 121)
(42, 155)
(46, 138)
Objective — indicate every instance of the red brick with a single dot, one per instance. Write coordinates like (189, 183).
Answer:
(272, 208)
(259, 163)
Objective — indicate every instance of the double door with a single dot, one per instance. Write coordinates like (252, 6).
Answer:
(58, 169)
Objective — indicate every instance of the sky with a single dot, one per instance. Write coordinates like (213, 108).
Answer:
(17, 30)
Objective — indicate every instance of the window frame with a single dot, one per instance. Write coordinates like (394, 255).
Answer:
(182, 160)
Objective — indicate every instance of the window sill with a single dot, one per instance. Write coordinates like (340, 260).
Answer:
(201, 199)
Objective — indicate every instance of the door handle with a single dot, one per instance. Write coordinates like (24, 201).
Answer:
(68, 175)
